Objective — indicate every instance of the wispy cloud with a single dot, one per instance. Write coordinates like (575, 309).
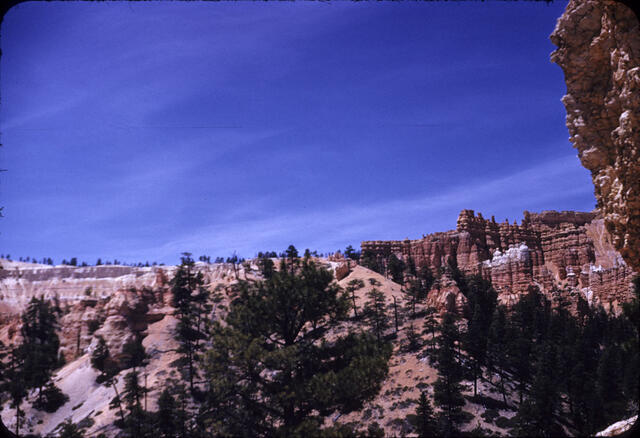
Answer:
(547, 184)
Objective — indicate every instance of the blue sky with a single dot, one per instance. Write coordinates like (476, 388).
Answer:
(137, 131)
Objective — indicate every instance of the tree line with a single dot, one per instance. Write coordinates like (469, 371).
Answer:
(290, 349)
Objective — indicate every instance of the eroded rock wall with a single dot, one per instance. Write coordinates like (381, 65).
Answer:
(115, 302)
(599, 51)
(563, 253)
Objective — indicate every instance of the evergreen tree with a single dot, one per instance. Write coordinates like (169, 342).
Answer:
(475, 344)
(609, 384)
(426, 425)
(447, 390)
(544, 398)
(351, 253)
(50, 399)
(134, 353)
(369, 260)
(496, 349)
(430, 324)
(415, 293)
(266, 266)
(272, 371)
(70, 430)
(191, 300)
(395, 267)
(375, 313)
(135, 422)
(13, 382)
(40, 343)
(631, 379)
(525, 421)
(99, 357)
(414, 341)
(166, 415)
(351, 289)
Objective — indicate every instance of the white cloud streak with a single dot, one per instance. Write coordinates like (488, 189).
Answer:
(327, 230)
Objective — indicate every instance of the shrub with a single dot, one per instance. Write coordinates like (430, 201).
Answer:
(504, 423)
(490, 414)
(50, 399)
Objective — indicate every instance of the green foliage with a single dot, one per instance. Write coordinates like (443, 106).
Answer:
(414, 341)
(272, 371)
(40, 344)
(191, 300)
(351, 289)
(134, 353)
(166, 423)
(375, 313)
(369, 260)
(536, 414)
(447, 390)
(30, 364)
(137, 422)
(351, 253)
(69, 430)
(425, 422)
(430, 325)
(395, 267)
(374, 430)
(589, 361)
(13, 380)
(266, 266)
(50, 399)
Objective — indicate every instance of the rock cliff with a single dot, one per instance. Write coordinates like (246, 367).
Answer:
(115, 302)
(599, 50)
(563, 253)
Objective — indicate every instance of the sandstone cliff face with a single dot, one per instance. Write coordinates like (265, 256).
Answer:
(599, 50)
(563, 253)
(115, 302)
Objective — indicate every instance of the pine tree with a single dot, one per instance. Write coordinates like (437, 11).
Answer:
(190, 298)
(375, 313)
(475, 344)
(631, 379)
(166, 421)
(13, 382)
(40, 343)
(272, 371)
(134, 353)
(135, 422)
(414, 341)
(426, 425)
(266, 266)
(430, 324)
(70, 430)
(609, 384)
(99, 358)
(351, 253)
(369, 260)
(395, 267)
(447, 390)
(544, 397)
(351, 289)
(525, 420)
(496, 349)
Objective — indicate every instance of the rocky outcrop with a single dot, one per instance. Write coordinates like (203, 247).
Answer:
(115, 302)
(560, 252)
(599, 50)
